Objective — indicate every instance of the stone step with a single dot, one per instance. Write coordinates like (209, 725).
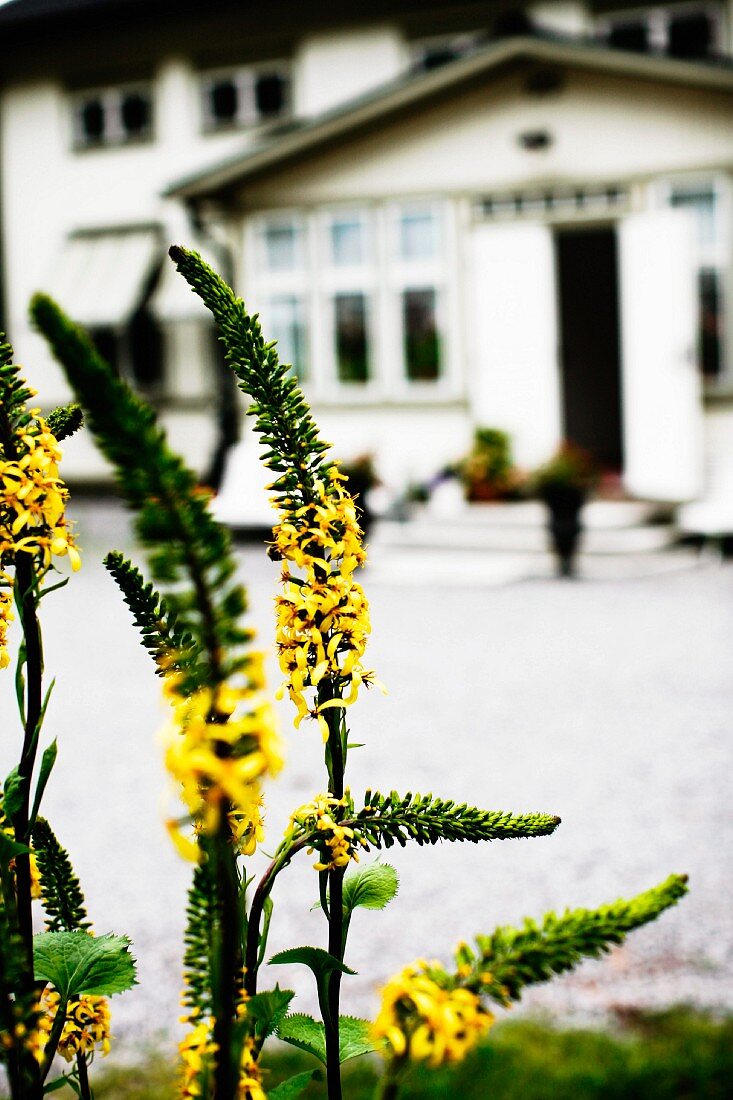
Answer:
(427, 534)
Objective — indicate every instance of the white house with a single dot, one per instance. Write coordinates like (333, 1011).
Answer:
(443, 221)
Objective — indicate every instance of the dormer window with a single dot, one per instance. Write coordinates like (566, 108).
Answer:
(242, 97)
(693, 31)
(112, 116)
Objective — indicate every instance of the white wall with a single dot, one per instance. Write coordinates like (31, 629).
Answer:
(333, 68)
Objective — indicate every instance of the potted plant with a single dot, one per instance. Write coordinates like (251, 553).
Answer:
(488, 472)
(563, 484)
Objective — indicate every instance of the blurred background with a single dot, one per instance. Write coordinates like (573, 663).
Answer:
(494, 242)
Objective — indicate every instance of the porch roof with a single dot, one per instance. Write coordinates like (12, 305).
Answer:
(300, 138)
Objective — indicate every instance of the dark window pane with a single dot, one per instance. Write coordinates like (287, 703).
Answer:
(92, 120)
(630, 36)
(146, 351)
(106, 342)
(434, 57)
(135, 114)
(352, 342)
(270, 94)
(422, 340)
(224, 101)
(691, 36)
(710, 333)
(284, 321)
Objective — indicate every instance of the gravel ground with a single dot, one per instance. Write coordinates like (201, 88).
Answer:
(607, 701)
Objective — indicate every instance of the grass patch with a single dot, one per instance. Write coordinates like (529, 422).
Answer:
(675, 1055)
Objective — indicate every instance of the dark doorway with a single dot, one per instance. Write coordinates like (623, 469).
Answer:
(587, 266)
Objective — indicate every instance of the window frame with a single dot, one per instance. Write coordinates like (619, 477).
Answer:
(713, 255)
(114, 136)
(658, 18)
(244, 78)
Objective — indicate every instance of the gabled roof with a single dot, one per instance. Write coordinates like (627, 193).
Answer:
(300, 138)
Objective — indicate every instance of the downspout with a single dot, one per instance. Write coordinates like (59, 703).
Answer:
(226, 395)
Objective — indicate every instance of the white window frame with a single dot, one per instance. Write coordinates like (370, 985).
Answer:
(244, 78)
(382, 277)
(715, 254)
(115, 135)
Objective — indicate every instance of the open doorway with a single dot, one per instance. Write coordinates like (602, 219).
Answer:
(590, 356)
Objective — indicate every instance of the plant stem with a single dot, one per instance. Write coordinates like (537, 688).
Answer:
(263, 891)
(228, 965)
(53, 1041)
(85, 1091)
(336, 943)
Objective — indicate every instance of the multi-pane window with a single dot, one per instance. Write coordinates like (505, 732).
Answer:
(245, 96)
(432, 53)
(112, 116)
(418, 272)
(693, 31)
(705, 202)
(281, 275)
(356, 296)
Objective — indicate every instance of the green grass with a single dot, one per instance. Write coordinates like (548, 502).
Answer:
(674, 1055)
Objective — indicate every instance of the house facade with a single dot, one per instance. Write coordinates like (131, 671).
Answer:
(447, 215)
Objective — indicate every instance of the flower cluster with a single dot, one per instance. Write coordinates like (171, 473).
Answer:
(33, 498)
(196, 1050)
(336, 842)
(220, 743)
(7, 829)
(323, 615)
(425, 1016)
(6, 616)
(86, 1027)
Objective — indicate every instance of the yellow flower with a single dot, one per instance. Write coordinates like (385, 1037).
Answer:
(320, 816)
(196, 1050)
(426, 1021)
(86, 1027)
(322, 615)
(219, 744)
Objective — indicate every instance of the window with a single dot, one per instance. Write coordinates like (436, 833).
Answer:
(705, 203)
(112, 116)
(351, 337)
(245, 97)
(284, 319)
(693, 31)
(419, 233)
(281, 245)
(348, 240)
(420, 334)
(432, 53)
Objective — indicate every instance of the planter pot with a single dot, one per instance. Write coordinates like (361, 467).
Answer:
(564, 507)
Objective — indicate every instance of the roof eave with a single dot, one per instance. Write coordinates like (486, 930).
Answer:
(329, 127)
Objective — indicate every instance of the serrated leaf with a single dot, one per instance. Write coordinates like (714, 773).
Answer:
(354, 1038)
(47, 762)
(308, 1034)
(294, 1086)
(304, 1032)
(320, 962)
(77, 962)
(268, 1009)
(372, 887)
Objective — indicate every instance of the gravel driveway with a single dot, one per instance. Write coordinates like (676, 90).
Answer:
(608, 701)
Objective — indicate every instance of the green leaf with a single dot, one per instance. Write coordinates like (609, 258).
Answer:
(76, 963)
(320, 962)
(54, 1086)
(47, 762)
(268, 1010)
(372, 887)
(267, 914)
(308, 1034)
(12, 794)
(354, 1038)
(305, 1033)
(9, 848)
(288, 1090)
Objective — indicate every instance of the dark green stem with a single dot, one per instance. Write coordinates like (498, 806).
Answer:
(228, 964)
(388, 1086)
(263, 891)
(53, 1041)
(85, 1091)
